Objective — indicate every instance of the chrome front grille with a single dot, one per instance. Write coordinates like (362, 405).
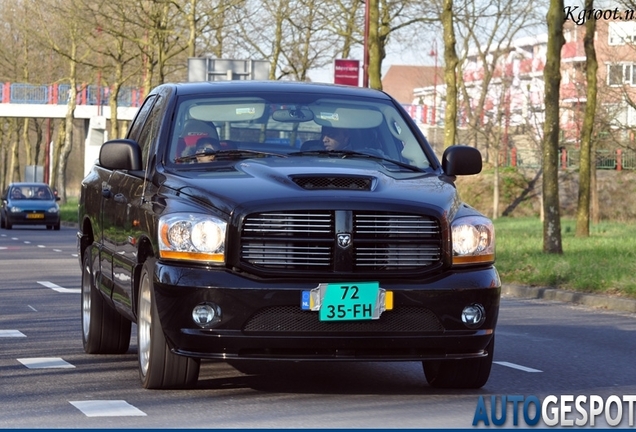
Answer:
(307, 240)
(396, 241)
(294, 240)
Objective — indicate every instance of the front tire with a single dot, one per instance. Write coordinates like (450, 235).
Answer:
(466, 374)
(104, 330)
(159, 367)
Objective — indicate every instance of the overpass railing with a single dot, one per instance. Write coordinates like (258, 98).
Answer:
(58, 94)
(618, 159)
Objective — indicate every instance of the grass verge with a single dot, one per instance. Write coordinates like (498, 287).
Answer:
(68, 211)
(604, 262)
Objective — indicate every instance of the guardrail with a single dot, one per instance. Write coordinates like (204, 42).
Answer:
(58, 94)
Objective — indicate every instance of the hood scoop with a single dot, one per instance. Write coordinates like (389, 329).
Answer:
(322, 182)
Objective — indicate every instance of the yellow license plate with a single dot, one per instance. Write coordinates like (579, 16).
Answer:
(35, 216)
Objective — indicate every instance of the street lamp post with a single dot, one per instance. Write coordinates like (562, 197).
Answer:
(365, 68)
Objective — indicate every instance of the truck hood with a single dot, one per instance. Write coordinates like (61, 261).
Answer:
(331, 183)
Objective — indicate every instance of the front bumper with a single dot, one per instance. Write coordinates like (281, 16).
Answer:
(264, 320)
(33, 218)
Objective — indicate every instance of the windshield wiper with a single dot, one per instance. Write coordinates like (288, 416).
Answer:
(348, 153)
(226, 154)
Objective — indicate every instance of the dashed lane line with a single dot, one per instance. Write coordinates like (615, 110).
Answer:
(58, 288)
(107, 408)
(11, 333)
(518, 367)
(45, 363)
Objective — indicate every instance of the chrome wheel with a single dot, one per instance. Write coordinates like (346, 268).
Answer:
(144, 321)
(87, 283)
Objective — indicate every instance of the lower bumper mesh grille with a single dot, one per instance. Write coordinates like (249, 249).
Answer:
(291, 319)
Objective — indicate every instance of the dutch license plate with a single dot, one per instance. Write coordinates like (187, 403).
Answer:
(35, 216)
(348, 301)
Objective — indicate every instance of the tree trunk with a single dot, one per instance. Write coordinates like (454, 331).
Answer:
(585, 163)
(450, 77)
(495, 192)
(67, 144)
(14, 165)
(375, 55)
(552, 81)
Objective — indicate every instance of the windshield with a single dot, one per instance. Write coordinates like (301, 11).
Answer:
(31, 192)
(209, 129)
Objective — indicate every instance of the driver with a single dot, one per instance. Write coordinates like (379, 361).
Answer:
(336, 139)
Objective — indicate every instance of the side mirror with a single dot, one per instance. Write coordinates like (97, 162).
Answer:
(120, 154)
(461, 160)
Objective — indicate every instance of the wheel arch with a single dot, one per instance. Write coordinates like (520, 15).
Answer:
(86, 237)
(144, 251)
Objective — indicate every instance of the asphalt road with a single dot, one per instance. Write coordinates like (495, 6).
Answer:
(47, 381)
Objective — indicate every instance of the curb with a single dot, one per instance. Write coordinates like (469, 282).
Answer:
(618, 304)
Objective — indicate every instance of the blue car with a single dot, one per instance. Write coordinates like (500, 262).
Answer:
(30, 204)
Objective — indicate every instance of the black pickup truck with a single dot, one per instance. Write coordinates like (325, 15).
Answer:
(281, 221)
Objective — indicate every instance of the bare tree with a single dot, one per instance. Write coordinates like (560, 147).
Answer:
(115, 58)
(292, 36)
(386, 17)
(552, 81)
(349, 29)
(67, 41)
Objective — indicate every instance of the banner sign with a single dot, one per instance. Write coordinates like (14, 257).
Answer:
(346, 72)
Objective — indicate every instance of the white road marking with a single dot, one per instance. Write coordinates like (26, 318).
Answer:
(27, 242)
(11, 333)
(14, 238)
(516, 366)
(32, 308)
(57, 250)
(3, 247)
(41, 246)
(46, 363)
(107, 408)
(59, 288)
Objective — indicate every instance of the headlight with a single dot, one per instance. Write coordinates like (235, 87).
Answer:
(16, 209)
(473, 240)
(54, 209)
(195, 237)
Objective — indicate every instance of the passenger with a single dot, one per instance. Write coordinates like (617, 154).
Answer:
(16, 193)
(42, 194)
(194, 130)
(336, 139)
(206, 147)
(185, 155)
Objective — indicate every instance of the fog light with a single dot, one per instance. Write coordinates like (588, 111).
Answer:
(473, 315)
(205, 314)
